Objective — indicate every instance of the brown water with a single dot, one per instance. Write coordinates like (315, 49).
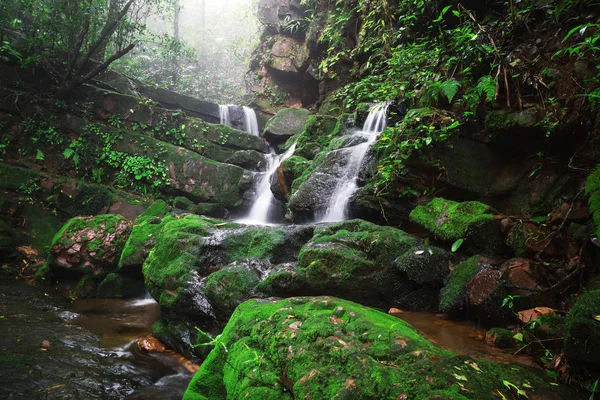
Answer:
(460, 337)
(51, 348)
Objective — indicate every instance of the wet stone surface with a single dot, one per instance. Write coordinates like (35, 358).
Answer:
(52, 349)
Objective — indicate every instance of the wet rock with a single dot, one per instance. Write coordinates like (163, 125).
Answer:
(470, 220)
(527, 239)
(354, 260)
(89, 246)
(290, 169)
(115, 286)
(285, 124)
(317, 134)
(479, 286)
(151, 345)
(499, 337)
(296, 346)
(582, 340)
(143, 237)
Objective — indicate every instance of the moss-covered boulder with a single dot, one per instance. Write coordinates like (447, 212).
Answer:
(499, 337)
(354, 260)
(143, 237)
(582, 341)
(327, 348)
(317, 134)
(285, 124)
(452, 296)
(289, 170)
(89, 246)
(470, 220)
(176, 265)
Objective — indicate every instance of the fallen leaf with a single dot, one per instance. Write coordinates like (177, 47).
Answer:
(335, 320)
(460, 377)
(295, 325)
(418, 252)
(52, 388)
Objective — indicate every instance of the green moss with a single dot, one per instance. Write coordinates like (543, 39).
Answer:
(450, 220)
(290, 121)
(453, 293)
(425, 264)
(328, 348)
(592, 188)
(85, 288)
(254, 243)
(352, 259)
(143, 236)
(14, 178)
(470, 220)
(178, 251)
(582, 341)
(500, 337)
(229, 287)
(157, 209)
(317, 134)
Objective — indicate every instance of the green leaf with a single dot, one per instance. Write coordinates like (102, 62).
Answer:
(449, 88)
(540, 219)
(456, 245)
(518, 336)
(68, 153)
(596, 317)
(40, 155)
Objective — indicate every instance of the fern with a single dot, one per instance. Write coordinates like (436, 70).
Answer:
(592, 188)
(449, 89)
(486, 86)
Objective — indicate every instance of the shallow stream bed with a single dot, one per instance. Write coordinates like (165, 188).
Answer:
(51, 348)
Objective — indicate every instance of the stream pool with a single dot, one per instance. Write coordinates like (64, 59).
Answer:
(51, 348)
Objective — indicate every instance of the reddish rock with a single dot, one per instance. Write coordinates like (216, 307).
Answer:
(151, 345)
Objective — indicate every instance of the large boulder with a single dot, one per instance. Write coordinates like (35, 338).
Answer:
(285, 124)
(143, 237)
(354, 260)
(582, 341)
(471, 221)
(328, 348)
(89, 246)
(480, 285)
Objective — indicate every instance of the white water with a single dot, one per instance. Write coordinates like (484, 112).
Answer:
(337, 209)
(250, 121)
(259, 213)
(224, 117)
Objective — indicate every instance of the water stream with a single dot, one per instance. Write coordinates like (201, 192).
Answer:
(224, 117)
(250, 121)
(51, 348)
(337, 209)
(264, 199)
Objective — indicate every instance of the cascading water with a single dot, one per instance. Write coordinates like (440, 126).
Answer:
(224, 117)
(250, 121)
(259, 213)
(337, 209)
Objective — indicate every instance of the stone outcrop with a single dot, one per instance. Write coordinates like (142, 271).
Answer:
(324, 347)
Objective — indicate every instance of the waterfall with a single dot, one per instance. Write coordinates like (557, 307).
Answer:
(250, 121)
(259, 213)
(224, 117)
(337, 209)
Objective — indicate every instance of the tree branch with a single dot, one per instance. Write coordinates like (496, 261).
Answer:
(77, 49)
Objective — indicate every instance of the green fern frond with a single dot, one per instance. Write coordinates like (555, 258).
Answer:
(592, 187)
(449, 88)
(486, 86)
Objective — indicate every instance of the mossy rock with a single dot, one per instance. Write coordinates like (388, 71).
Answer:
(115, 286)
(177, 254)
(183, 203)
(500, 337)
(500, 120)
(470, 220)
(452, 296)
(231, 286)
(426, 264)
(143, 237)
(353, 259)
(15, 179)
(317, 134)
(285, 124)
(86, 288)
(582, 340)
(328, 348)
(277, 244)
(89, 245)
